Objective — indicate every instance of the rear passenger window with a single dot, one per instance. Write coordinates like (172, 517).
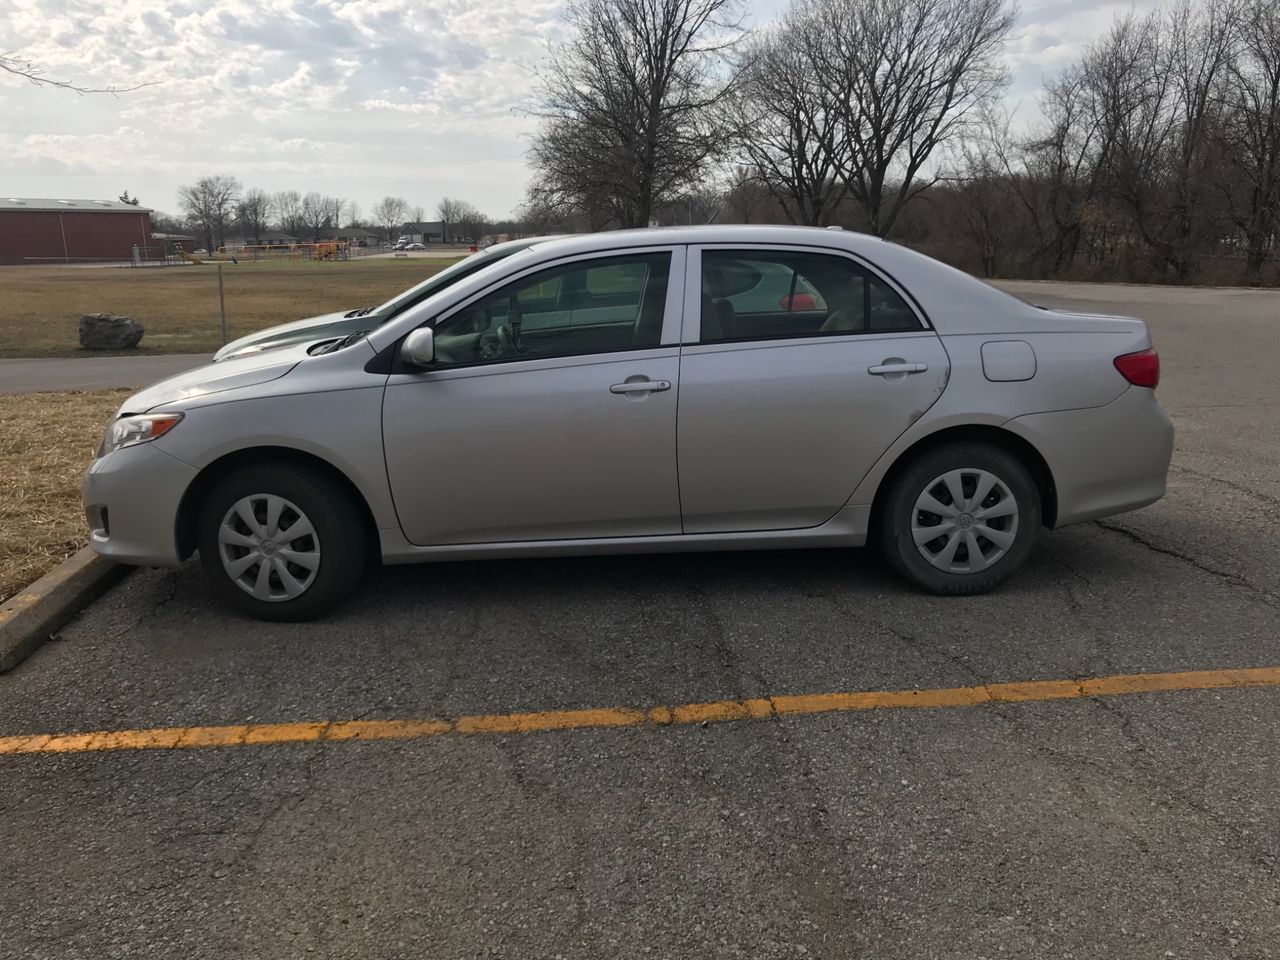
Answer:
(762, 295)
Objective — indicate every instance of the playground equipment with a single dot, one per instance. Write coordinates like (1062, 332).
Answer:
(189, 257)
(317, 250)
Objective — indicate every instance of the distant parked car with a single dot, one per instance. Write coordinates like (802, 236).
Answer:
(414, 246)
(645, 391)
(346, 322)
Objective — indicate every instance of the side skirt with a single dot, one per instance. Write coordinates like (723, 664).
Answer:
(848, 528)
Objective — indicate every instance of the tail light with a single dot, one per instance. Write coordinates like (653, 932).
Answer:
(1142, 369)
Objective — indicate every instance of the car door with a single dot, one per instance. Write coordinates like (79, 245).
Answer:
(799, 368)
(550, 411)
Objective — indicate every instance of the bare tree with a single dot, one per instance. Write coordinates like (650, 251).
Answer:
(461, 220)
(317, 213)
(1152, 84)
(626, 105)
(332, 209)
(389, 213)
(210, 204)
(472, 222)
(1251, 129)
(27, 70)
(915, 72)
(1202, 43)
(745, 198)
(449, 212)
(983, 194)
(286, 207)
(788, 118)
(252, 213)
(1059, 175)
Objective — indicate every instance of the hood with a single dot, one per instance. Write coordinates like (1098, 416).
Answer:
(244, 371)
(291, 330)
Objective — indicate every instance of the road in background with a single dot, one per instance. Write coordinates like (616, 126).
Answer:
(1145, 826)
(93, 373)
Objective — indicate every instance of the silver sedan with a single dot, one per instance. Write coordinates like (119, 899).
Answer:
(712, 388)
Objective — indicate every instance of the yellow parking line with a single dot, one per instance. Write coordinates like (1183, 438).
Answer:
(718, 711)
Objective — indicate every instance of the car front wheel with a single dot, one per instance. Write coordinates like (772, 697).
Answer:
(960, 519)
(281, 542)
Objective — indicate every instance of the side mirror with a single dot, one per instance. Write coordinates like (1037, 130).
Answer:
(419, 348)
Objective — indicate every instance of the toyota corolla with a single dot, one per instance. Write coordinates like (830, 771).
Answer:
(707, 388)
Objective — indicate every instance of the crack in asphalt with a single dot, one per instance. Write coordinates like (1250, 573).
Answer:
(1131, 729)
(737, 671)
(1230, 484)
(1231, 579)
(1079, 612)
(821, 889)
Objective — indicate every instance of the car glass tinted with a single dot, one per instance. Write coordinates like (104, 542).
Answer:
(593, 306)
(755, 295)
(437, 282)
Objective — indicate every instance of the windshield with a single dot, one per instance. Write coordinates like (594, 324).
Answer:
(437, 282)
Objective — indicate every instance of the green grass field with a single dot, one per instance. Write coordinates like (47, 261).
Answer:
(40, 306)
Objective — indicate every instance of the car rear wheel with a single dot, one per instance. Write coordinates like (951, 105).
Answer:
(281, 542)
(960, 519)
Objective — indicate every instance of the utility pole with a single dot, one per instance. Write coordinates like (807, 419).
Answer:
(222, 306)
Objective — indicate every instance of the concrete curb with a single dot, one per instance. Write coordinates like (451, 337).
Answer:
(36, 613)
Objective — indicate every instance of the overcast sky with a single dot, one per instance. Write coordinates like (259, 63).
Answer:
(355, 98)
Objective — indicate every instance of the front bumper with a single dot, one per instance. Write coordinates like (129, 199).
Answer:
(1104, 460)
(131, 499)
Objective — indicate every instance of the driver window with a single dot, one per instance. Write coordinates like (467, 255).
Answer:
(590, 306)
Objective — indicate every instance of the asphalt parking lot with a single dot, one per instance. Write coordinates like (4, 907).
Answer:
(1142, 825)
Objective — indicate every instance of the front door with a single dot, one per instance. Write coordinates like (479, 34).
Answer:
(550, 412)
(799, 371)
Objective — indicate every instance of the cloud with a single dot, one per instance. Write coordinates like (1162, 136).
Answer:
(414, 97)
(356, 98)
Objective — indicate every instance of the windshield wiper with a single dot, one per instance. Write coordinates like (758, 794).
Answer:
(363, 311)
(335, 345)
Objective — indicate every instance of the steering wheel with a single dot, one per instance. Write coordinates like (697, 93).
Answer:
(506, 341)
(496, 344)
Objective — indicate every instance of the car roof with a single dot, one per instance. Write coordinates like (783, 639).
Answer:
(710, 233)
(952, 301)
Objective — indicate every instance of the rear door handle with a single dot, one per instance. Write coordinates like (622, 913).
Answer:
(894, 366)
(641, 386)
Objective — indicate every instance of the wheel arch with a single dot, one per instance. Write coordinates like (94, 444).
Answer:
(1006, 440)
(193, 498)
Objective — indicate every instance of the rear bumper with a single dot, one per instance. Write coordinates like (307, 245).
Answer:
(1104, 460)
(131, 500)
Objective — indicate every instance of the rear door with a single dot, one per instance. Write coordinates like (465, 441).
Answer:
(799, 368)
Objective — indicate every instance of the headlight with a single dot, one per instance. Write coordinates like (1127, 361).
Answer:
(127, 431)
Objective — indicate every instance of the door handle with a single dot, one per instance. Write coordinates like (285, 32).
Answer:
(893, 366)
(641, 386)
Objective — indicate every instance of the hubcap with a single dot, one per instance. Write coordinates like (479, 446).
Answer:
(268, 547)
(964, 521)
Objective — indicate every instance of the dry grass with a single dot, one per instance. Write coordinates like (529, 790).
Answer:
(46, 443)
(40, 306)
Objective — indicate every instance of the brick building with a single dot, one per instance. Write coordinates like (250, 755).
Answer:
(35, 231)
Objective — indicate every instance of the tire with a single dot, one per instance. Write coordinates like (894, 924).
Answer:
(1004, 525)
(308, 573)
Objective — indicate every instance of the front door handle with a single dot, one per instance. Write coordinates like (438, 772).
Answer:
(894, 366)
(641, 386)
